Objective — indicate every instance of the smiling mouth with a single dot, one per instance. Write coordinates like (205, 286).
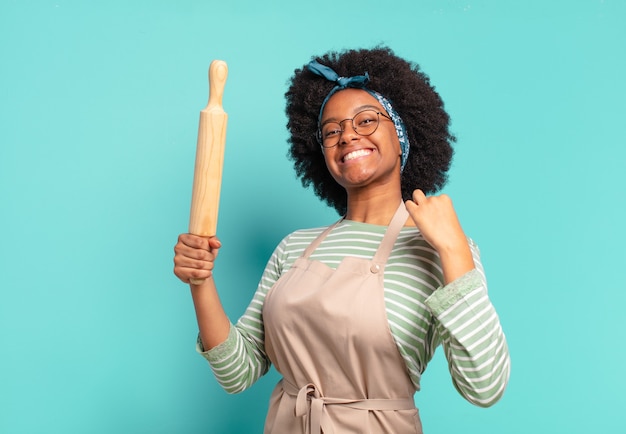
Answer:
(356, 154)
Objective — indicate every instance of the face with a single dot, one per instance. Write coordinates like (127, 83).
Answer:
(361, 161)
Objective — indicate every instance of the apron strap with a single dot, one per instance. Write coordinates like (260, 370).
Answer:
(316, 242)
(386, 245)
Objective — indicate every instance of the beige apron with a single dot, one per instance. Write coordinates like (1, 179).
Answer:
(327, 333)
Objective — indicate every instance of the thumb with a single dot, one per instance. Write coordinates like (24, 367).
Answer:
(214, 243)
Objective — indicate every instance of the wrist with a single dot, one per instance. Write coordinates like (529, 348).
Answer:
(456, 261)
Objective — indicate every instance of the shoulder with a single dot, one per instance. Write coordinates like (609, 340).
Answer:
(294, 244)
(302, 237)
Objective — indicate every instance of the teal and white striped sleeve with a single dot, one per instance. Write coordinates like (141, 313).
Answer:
(471, 336)
(240, 360)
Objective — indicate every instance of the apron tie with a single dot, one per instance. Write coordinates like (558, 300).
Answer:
(310, 404)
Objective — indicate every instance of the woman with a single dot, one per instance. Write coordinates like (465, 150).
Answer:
(351, 314)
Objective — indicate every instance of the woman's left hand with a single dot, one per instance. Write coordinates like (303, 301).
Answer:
(436, 219)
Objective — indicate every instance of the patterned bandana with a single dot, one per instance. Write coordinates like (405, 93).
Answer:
(359, 82)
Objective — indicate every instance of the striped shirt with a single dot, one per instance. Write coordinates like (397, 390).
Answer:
(423, 313)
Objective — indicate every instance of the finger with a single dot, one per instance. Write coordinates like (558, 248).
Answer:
(196, 259)
(411, 206)
(418, 196)
(415, 212)
(184, 254)
(185, 267)
(188, 241)
(195, 241)
(214, 243)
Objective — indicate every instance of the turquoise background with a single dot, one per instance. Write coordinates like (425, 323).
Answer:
(99, 104)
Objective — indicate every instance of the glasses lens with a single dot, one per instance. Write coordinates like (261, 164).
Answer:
(330, 133)
(366, 122)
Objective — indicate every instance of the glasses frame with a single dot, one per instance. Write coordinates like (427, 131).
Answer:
(320, 138)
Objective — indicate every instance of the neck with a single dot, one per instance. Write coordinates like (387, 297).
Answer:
(370, 207)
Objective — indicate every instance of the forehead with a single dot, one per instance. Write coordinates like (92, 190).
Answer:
(347, 102)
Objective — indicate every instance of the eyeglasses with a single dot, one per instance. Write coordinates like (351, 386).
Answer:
(364, 123)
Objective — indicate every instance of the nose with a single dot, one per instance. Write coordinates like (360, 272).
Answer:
(347, 132)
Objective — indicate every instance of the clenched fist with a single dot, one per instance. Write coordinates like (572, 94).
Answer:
(194, 256)
(436, 219)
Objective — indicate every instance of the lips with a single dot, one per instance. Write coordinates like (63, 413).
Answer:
(355, 154)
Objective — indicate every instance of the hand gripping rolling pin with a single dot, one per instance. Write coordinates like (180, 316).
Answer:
(207, 178)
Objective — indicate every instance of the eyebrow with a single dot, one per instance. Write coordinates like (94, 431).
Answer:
(355, 111)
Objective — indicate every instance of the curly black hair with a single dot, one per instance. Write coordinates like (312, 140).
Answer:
(411, 95)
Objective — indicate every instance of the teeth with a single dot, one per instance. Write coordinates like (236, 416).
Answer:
(356, 154)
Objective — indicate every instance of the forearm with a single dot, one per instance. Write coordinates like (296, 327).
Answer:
(213, 323)
(472, 338)
(480, 373)
(239, 359)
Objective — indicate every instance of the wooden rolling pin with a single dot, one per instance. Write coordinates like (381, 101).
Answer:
(207, 178)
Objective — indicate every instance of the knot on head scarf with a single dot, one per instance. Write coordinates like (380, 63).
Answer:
(360, 82)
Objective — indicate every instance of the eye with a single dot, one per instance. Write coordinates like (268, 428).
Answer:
(331, 130)
(365, 119)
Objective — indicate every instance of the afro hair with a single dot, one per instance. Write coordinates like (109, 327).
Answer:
(412, 96)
